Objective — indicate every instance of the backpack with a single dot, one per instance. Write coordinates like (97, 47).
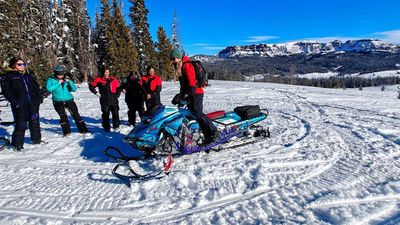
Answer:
(201, 73)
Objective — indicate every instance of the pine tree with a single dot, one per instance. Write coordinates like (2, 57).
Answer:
(75, 34)
(37, 47)
(164, 48)
(25, 26)
(44, 33)
(86, 52)
(175, 33)
(141, 34)
(98, 41)
(121, 48)
(55, 29)
(103, 35)
(80, 31)
(10, 25)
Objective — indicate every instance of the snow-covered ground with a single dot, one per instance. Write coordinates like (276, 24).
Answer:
(333, 158)
(387, 73)
(318, 75)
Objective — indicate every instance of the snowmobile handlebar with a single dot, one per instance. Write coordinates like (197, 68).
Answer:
(119, 156)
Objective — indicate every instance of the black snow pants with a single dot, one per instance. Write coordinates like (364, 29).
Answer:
(105, 116)
(60, 107)
(196, 107)
(133, 107)
(26, 114)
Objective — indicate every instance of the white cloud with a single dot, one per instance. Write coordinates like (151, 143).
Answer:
(214, 47)
(392, 36)
(208, 46)
(201, 44)
(254, 39)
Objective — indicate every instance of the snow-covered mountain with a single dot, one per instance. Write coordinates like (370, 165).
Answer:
(206, 58)
(308, 48)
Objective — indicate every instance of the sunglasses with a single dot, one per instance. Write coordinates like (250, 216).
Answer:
(21, 64)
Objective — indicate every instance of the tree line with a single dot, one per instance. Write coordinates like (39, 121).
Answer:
(50, 32)
(284, 69)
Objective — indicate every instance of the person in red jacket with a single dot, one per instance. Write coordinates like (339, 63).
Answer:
(151, 87)
(193, 94)
(108, 93)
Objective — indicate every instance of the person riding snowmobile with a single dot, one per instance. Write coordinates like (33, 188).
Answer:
(193, 94)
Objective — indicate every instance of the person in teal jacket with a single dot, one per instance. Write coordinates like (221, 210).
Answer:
(61, 86)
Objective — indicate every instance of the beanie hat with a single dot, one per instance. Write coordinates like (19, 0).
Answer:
(59, 70)
(176, 53)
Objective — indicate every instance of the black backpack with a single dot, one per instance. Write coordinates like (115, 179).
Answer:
(201, 73)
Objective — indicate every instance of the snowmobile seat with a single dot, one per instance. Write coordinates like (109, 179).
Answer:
(216, 114)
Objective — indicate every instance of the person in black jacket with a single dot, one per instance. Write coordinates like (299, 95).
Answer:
(109, 92)
(23, 92)
(133, 97)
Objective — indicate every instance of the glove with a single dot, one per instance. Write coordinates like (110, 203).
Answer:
(98, 94)
(35, 116)
(182, 102)
(176, 99)
(15, 104)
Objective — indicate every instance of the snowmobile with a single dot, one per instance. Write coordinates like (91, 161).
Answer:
(174, 131)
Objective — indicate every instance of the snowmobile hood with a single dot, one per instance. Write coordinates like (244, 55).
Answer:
(149, 131)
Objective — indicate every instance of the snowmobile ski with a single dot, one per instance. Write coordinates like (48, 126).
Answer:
(4, 143)
(133, 176)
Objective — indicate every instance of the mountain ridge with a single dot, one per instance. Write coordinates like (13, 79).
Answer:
(309, 48)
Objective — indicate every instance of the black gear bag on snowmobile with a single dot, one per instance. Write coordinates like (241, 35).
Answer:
(248, 111)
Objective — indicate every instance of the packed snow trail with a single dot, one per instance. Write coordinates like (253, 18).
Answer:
(333, 158)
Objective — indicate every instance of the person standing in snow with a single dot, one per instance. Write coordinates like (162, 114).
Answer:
(108, 92)
(21, 89)
(151, 86)
(193, 94)
(61, 86)
(133, 97)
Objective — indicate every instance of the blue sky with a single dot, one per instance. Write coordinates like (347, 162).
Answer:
(208, 26)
